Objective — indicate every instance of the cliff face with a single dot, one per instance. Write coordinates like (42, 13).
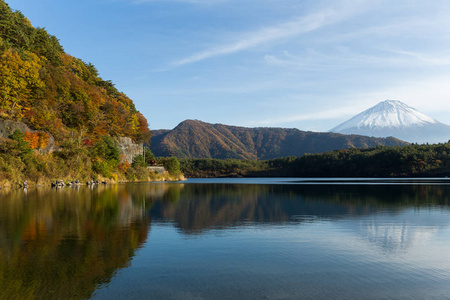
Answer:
(7, 127)
(128, 149)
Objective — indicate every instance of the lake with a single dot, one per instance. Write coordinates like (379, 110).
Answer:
(228, 239)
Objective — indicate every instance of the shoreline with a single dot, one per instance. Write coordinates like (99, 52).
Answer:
(162, 178)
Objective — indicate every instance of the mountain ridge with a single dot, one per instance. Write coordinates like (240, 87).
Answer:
(198, 139)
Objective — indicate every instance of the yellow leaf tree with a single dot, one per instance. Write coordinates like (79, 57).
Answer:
(18, 77)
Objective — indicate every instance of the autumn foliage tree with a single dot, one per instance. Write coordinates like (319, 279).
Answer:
(60, 96)
(55, 92)
(19, 79)
(37, 140)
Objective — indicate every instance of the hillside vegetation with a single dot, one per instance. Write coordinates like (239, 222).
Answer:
(50, 90)
(381, 161)
(62, 99)
(196, 139)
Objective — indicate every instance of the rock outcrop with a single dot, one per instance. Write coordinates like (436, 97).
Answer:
(7, 127)
(128, 149)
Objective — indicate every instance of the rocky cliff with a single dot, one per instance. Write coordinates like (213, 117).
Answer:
(128, 149)
(7, 127)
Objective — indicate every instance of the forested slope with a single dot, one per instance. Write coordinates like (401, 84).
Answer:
(50, 90)
(196, 139)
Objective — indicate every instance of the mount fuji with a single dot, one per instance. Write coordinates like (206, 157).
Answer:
(395, 118)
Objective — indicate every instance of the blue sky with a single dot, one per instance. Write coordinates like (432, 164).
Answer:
(308, 64)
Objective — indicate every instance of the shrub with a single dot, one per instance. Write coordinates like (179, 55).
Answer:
(172, 165)
(138, 161)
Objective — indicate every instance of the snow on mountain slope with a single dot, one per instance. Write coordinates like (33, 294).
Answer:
(395, 118)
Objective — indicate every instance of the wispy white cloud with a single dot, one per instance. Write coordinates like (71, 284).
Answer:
(346, 59)
(316, 115)
(409, 40)
(302, 25)
(412, 27)
(423, 58)
(226, 89)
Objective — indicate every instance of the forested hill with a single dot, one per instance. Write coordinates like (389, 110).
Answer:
(196, 139)
(50, 90)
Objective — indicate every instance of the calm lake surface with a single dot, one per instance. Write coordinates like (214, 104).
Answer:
(228, 239)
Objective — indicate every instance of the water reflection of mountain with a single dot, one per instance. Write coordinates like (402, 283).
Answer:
(203, 207)
(397, 233)
(64, 244)
(403, 215)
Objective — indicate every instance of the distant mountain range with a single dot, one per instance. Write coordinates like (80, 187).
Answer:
(197, 139)
(395, 118)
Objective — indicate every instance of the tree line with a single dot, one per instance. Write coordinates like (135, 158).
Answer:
(382, 161)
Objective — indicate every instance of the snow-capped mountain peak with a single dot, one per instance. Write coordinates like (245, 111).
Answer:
(389, 113)
(395, 118)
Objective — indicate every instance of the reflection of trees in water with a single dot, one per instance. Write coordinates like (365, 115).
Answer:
(383, 195)
(63, 244)
(203, 207)
(376, 209)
